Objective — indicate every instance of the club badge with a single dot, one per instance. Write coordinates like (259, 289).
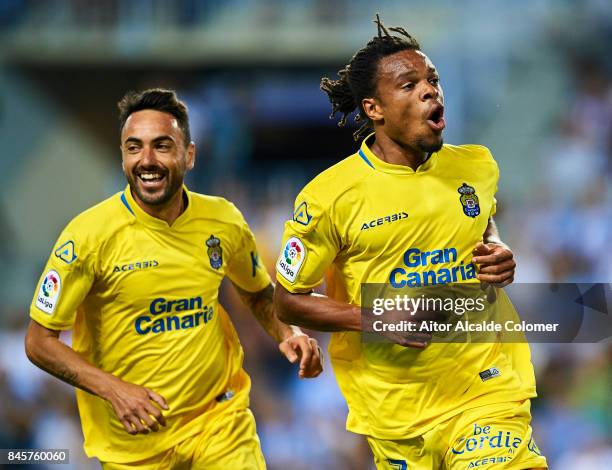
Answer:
(469, 200)
(215, 253)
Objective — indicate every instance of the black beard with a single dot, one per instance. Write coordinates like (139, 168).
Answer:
(165, 197)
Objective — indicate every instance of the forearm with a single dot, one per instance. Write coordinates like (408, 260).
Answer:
(316, 311)
(262, 307)
(45, 350)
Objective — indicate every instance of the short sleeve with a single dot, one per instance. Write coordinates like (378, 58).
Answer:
(309, 247)
(245, 268)
(64, 283)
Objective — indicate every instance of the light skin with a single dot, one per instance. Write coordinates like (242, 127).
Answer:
(152, 145)
(407, 115)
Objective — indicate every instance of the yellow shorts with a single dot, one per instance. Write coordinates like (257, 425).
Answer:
(229, 442)
(486, 437)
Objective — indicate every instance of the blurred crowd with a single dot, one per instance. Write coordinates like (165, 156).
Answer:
(560, 229)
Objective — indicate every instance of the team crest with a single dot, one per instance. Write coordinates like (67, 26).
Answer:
(215, 253)
(469, 200)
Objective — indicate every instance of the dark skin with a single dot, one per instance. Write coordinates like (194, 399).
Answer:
(407, 114)
(408, 92)
(152, 143)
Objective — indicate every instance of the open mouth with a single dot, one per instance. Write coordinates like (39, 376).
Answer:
(435, 118)
(151, 178)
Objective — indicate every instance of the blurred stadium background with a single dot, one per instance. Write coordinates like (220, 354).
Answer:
(531, 79)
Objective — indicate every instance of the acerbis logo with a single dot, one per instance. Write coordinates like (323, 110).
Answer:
(489, 460)
(135, 265)
(384, 220)
(301, 215)
(49, 291)
(291, 259)
(66, 253)
(482, 462)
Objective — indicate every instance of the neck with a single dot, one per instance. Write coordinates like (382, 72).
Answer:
(169, 212)
(390, 151)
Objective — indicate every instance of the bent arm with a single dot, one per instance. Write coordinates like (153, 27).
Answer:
(293, 342)
(133, 404)
(494, 257)
(261, 306)
(44, 349)
(316, 312)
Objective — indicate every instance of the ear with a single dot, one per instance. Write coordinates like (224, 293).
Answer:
(373, 109)
(191, 152)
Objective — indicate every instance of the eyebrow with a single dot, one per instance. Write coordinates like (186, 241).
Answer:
(412, 72)
(156, 140)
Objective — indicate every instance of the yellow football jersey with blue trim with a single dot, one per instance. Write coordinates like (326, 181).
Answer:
(141, 297)
(368, 221)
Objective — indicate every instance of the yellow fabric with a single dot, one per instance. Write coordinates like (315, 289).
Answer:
(229, 441)
(141, 297)
(495, 436)
(367, 221)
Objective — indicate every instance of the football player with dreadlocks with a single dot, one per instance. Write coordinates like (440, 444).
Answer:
(408, 211)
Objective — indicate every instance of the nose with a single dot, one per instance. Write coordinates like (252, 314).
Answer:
(429, 92)
(148, 155)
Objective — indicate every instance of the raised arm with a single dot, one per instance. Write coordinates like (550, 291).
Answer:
(132, 403)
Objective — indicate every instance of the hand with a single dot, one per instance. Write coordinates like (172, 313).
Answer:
(411, 335)
(301, 346)
(496, 263)
(134, 406)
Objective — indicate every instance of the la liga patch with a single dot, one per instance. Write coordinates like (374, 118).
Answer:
(291, 259)
(49, 292)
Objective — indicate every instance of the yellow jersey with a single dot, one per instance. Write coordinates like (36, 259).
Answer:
(364, 220)
(142, 299)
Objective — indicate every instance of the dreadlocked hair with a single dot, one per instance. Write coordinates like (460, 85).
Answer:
(358, 78)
